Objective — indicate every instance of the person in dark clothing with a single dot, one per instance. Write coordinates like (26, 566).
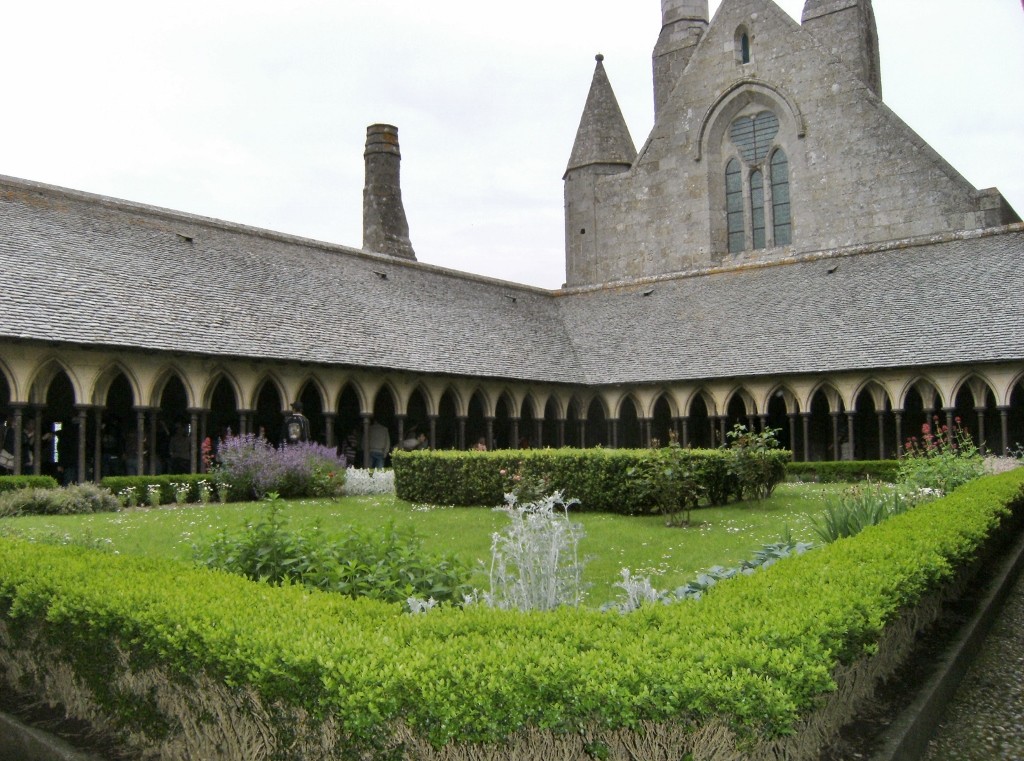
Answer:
(296, 425)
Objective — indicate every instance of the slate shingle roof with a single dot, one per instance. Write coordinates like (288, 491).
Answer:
(81, 269)
(951, 302)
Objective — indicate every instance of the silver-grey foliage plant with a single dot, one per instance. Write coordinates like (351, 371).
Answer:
(535, 562)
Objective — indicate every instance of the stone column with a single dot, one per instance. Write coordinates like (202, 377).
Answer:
(881, 434)
(18, 413)
(82, 417)
(366, 440)
(950, 422)
(195, 464)
(686, 432)
(613, 433)
(1004, 421)
(792, 433)
(490, 432)
(152, 440)
(981, 429)
(836, 454)
(539, 433)
(515, 433)
(561, 432)
(462, 431)
(805, 418)
(432, 436)
(97, 443)
(898, 415)
(37, 442)
(401, 429)
(849, 426)
(329, 421)
(140, 441)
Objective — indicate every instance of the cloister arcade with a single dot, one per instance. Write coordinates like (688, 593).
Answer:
(102, 413)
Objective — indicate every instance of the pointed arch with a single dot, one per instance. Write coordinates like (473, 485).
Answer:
(44, 374)
(106, 377)
(166, 375)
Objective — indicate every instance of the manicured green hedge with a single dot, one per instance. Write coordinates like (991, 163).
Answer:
(845, 471)
(758, 651)
(599, 478)
(13, 483)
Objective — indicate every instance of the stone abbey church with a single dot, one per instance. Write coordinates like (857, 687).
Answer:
(782, 250)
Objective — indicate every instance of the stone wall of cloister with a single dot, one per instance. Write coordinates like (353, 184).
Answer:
(115, 411)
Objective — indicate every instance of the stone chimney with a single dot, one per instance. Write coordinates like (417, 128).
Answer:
(385, 229)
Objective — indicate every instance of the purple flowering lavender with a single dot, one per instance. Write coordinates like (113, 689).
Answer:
(254, 467)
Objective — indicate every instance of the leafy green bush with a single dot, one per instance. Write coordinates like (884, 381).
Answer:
(941, 459)
(757, 461)
(669, 482)
(69, 500)
(12, 483)
(389, 565)
(844, 471)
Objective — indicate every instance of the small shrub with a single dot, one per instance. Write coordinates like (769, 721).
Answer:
(363, 482)
(670, 481)
(254, 467)
(754, 462)
(941, 459)
(69, 500)
(535, 563)
(389, 565)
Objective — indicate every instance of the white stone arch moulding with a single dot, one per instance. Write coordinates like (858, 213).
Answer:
(163, 377)
(44, 373)
(262, 380)
(105, 378)
(738, 89)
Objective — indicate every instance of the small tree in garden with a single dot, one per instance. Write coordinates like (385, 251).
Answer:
(757, 473)
(671, 483)
(942, 459)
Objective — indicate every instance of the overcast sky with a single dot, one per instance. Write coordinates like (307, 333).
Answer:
(256, 112)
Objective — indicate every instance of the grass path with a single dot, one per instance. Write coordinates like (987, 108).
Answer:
(671, 556)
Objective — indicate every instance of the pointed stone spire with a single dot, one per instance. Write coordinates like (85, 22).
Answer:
(603, 137)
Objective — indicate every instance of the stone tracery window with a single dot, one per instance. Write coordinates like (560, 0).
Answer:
(757, 185)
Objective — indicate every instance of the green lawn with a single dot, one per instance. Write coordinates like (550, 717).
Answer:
(719, 536)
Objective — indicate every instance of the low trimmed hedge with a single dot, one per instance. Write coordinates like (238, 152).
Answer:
(757, 653)
(13, 483)
(600, 479)
(845, 471)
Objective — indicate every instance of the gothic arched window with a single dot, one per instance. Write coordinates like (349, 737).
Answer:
(757, 185)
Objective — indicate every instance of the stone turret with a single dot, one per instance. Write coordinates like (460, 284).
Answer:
(847, 29)
(603, 146)
(385, 228)
(683, 23)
